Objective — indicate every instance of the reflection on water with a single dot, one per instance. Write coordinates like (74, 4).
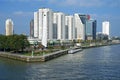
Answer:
(101, 63)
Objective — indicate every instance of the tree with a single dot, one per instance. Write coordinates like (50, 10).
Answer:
(23, 42)
(3, 42)
(13, 42)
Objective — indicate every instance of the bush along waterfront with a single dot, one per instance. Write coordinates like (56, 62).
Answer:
(13, 43)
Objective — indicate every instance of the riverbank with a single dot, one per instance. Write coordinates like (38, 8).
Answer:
(44, 57)
(98, 45)
(101, 63)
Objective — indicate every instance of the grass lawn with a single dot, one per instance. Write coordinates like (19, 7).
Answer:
(40, 52)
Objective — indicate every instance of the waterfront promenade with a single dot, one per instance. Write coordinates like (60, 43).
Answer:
(44, 57)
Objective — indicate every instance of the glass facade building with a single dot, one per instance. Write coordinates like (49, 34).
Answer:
(91, 29)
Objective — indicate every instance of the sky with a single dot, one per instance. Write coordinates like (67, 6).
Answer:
(21, 12)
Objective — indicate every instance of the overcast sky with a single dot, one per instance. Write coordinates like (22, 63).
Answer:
(21, 12)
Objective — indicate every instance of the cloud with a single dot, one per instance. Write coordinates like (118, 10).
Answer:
(21, 13)
(81, 3)
(104, 17)
(75, 3)
(85, 3)
(115, 3)
(21, 0)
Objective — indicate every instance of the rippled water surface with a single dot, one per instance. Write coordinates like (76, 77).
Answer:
(101, 63)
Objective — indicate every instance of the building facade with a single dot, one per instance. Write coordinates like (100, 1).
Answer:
(36, 24)
(55, 25)
(94, 29)
(9, 27)
(91, 29)
(32, 28)
(80, 25)
(43, 20)
(69, 27)
(59, 26)
(106, 28)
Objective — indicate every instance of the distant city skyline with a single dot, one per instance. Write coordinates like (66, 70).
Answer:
(52, 25)
(22, 14)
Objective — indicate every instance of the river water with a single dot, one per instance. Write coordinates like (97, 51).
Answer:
(102, 63)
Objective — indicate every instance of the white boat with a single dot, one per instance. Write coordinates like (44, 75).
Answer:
(72, 51)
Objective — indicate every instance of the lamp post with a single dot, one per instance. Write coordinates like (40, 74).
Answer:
(32, 53)
(34, 45)
(33, 49)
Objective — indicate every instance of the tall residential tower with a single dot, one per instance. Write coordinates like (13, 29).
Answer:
(9, 27)
(91, 29)
(106, 28)
(69, 27)
(59, 22)
(50, 25)
(36, 24)
(32, 28)
(80, 25)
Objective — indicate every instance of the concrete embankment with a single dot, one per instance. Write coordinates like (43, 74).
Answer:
(33, 58)
(43, 58)
(100, 45)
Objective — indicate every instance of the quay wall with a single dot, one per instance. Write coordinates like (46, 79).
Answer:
(33, 58)
(45, 57)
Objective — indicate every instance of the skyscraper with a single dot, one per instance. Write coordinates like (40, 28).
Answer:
(36, 24)
(59, 26)
(32, 28)
(80, 25)
(70, 28)
(55, 26)
(59, 22)
(91, 29)
(106, 28)
(43, 25)
(43, 18)
(45, 22)
(9, 27)
(94, 28)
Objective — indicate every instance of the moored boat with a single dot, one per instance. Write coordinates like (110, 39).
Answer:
(72, 51)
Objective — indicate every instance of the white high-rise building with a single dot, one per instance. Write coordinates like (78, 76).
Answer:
(36, 24)
(45, 21)
(32, 28)
(55, 25)
(80, 27)
(9, 27)
(43, 25)
(59, 22)
(49, 25)
(106, 28)
(69, 24)
(43, 18)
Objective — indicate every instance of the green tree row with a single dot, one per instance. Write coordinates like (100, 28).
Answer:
(13, 43)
